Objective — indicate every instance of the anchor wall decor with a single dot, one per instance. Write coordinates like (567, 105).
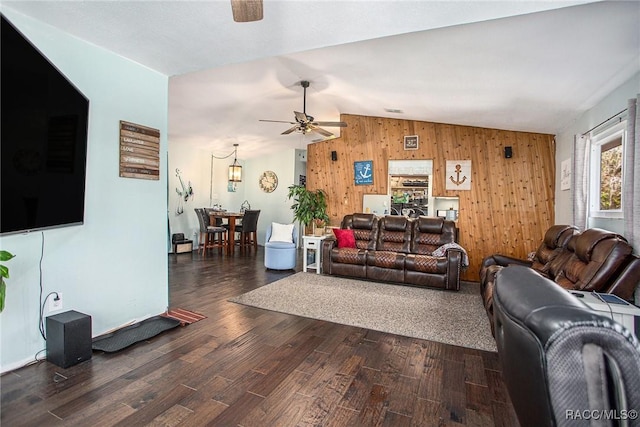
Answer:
(363, 172)
(458, 175)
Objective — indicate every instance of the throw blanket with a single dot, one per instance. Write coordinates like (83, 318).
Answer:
(442, 250)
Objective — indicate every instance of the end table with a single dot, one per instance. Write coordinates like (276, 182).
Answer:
(314, 243)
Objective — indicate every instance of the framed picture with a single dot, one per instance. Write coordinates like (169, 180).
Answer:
(363, 172)
(458, 175)
(411, 142)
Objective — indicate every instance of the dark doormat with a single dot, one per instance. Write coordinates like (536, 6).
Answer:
(141, 331)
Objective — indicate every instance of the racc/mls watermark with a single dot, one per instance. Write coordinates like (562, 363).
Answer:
(601, 414)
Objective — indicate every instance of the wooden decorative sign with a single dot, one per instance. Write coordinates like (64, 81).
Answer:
(139, 151)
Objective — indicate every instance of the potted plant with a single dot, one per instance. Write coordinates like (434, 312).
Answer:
(310, 207)
(4, 274)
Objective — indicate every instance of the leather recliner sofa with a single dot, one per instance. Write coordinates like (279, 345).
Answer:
(563, 364)
(594, 260)
(398, 250)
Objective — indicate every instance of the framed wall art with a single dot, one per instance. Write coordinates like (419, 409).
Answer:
(458, 175)
(139, 151)
(363, 172)
(411, 142)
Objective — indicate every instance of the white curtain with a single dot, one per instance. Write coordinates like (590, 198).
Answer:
(580, 182)
(631, 179)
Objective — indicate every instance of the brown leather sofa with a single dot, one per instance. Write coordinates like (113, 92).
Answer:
(593, 260)
(396, 249)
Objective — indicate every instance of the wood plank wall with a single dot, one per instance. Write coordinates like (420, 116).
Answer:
(511, 201)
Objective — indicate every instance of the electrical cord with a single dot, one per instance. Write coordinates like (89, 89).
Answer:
(42, 303)
(597, 295)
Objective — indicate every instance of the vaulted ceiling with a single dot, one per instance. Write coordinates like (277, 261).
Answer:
(521, 65)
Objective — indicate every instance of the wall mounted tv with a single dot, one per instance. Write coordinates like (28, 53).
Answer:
(43, 140)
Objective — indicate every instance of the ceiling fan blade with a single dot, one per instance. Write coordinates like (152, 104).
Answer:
(301, 117)
(331, 124)
(277, 121)
(320, 130)
(288, 131)
(246, 10)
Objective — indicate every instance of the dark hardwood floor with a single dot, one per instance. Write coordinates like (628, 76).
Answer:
(243, 366)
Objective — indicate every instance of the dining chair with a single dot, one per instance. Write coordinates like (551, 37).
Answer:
(211, 236)
(248, 230)
(219, 221)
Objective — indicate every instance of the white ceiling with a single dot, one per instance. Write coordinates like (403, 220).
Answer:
(521, 65)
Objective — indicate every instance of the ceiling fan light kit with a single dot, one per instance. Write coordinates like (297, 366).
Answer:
(305, 123)
(235, 170)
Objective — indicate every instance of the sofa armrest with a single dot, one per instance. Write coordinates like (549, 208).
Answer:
(504, 260)
(454, 267)
(327, 245)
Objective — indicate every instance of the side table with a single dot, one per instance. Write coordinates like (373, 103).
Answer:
(314, 243)
(621, 311)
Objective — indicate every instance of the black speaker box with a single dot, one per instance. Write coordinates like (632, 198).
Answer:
(68, 338)
(334, 155)
(508, 152)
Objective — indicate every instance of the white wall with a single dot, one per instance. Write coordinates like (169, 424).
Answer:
(114, 267)
(195, 166)
(612, 104)
(274, 206)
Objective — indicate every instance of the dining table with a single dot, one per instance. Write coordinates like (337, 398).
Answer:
(231, 218)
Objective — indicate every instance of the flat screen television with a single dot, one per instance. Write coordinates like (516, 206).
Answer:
(43, 140)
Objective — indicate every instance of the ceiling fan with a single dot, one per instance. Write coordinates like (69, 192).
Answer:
(305, 123)
(246, 10)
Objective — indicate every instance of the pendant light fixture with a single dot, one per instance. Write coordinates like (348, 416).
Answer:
(235, 170)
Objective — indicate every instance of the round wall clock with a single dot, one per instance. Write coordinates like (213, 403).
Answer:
(268, 181)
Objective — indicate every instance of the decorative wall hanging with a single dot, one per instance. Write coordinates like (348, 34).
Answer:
(565, 175)
(458, 175)
(185, 192)
(411, 142)
(139, 151)
(268, 181)
(363, 172)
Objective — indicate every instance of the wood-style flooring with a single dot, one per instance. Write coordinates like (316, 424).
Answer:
(243, 366)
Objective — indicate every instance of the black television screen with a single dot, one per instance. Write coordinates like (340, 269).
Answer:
(43, 140)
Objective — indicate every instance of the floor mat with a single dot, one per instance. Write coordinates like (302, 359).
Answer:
(141, 331)
(185, 317)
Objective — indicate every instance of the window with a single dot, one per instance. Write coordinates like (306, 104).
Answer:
(605, 194)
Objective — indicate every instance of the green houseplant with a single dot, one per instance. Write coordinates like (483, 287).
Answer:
(4, 274)
(310, 207)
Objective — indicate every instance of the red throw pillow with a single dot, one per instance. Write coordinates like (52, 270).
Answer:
(345, 237)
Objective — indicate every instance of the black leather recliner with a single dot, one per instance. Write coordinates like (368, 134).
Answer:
(563, 363)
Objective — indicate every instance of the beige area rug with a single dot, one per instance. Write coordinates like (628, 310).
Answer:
(456, 318)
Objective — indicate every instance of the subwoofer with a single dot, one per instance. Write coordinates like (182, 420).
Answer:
(68, 338)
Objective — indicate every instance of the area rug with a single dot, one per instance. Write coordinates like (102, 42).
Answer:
(185, 317)
(456, 318)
